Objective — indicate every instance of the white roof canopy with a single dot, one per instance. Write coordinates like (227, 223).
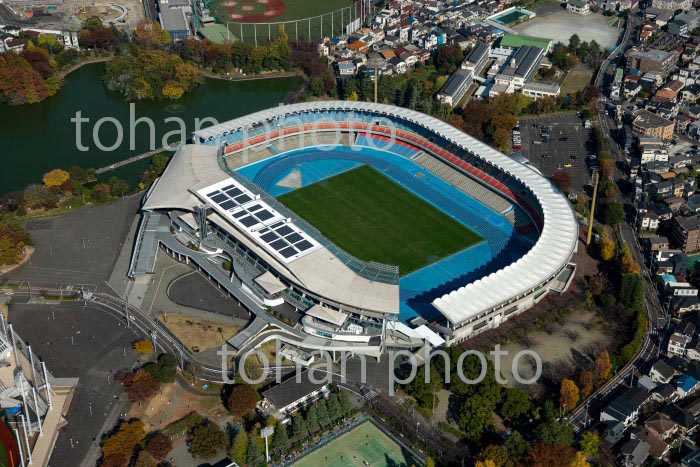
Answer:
(270, 283)
(553, 250)
(328, 315)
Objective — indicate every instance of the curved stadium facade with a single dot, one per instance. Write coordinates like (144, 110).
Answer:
(311, 216)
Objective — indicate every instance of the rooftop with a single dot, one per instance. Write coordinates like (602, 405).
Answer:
(514, 41)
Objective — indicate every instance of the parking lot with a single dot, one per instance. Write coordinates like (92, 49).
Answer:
(87, 343)
(566, 148)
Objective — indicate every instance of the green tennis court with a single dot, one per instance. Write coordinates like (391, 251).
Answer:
(365, 443)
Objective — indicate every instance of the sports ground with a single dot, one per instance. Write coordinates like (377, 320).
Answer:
(365, 443)
(391, 211)
(375, 219)
(314, 17)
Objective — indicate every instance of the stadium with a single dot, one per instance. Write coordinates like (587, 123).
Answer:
(359, 227)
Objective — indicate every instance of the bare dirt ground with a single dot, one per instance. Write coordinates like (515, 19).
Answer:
(174, 402)
(198, 333)
(568, 347)
(560, 26)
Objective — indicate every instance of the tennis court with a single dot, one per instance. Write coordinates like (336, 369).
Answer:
(365, 443)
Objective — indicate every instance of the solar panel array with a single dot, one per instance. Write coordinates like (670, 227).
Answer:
(242, 207)
(284, 239)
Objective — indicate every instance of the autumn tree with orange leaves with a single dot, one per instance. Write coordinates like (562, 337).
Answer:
(568, 395)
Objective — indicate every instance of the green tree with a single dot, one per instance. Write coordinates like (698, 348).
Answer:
(239, 447)
(280, 441)
(516, 403)
(333, 407)
(344, 400)
(574, 43)
(476, 416)
(323, 418)
(554, 431)
(312, 419)
(207, 440)
(253, 457)
(613, 214)
(517, 448)
(299, 429)
(590, 444)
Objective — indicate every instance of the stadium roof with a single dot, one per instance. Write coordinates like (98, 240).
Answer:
(514, 41)
(194, 173)
(553, 250)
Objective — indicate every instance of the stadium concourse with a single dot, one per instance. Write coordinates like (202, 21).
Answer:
(404, 230)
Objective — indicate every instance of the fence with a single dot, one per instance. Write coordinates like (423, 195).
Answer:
(314, 28)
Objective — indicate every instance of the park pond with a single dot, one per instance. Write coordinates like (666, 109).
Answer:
(40, 137)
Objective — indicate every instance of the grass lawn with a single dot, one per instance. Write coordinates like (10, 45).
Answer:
(295, 10)
(375, 219)
(366, 442)
(575, 81)
(196, 332)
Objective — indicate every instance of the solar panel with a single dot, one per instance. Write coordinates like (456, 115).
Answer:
(219, 198)
(278, 244)
(264, 215)
(240, 214)
(268, 237)
(228, 204)
(288, 252)
(285, 230)
(304, 245)
(276, 224)
(293, 238)
(243, 199)
(249, 221)
(254, 207)
(228, 187)
(262, 231)
(233, 193)
(212, 194)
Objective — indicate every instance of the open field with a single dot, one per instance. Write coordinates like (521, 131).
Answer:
(375, 219)
(243, 13)
(569, 346)
(560, 26)
(200, 333)
(576, 80)
(365, 443)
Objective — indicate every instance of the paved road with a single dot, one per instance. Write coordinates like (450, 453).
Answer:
(100, 346)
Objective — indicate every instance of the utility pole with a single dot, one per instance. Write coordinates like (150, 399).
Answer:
(595, 196)
(376, 84)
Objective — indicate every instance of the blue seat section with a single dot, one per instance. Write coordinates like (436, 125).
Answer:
(502, 246)
(470, 212)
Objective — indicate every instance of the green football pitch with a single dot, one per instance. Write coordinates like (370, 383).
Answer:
(375, 219)
(364, 443)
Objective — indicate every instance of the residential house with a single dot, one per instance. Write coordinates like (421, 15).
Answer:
(685, 420)
(633, 453)
(651, 60)
(658, 448)
(672, 5)
(660, 424)
(686, 385)
(649, 124)
(685, 233)
(661, 372)
(581, 7)
(680, 338)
